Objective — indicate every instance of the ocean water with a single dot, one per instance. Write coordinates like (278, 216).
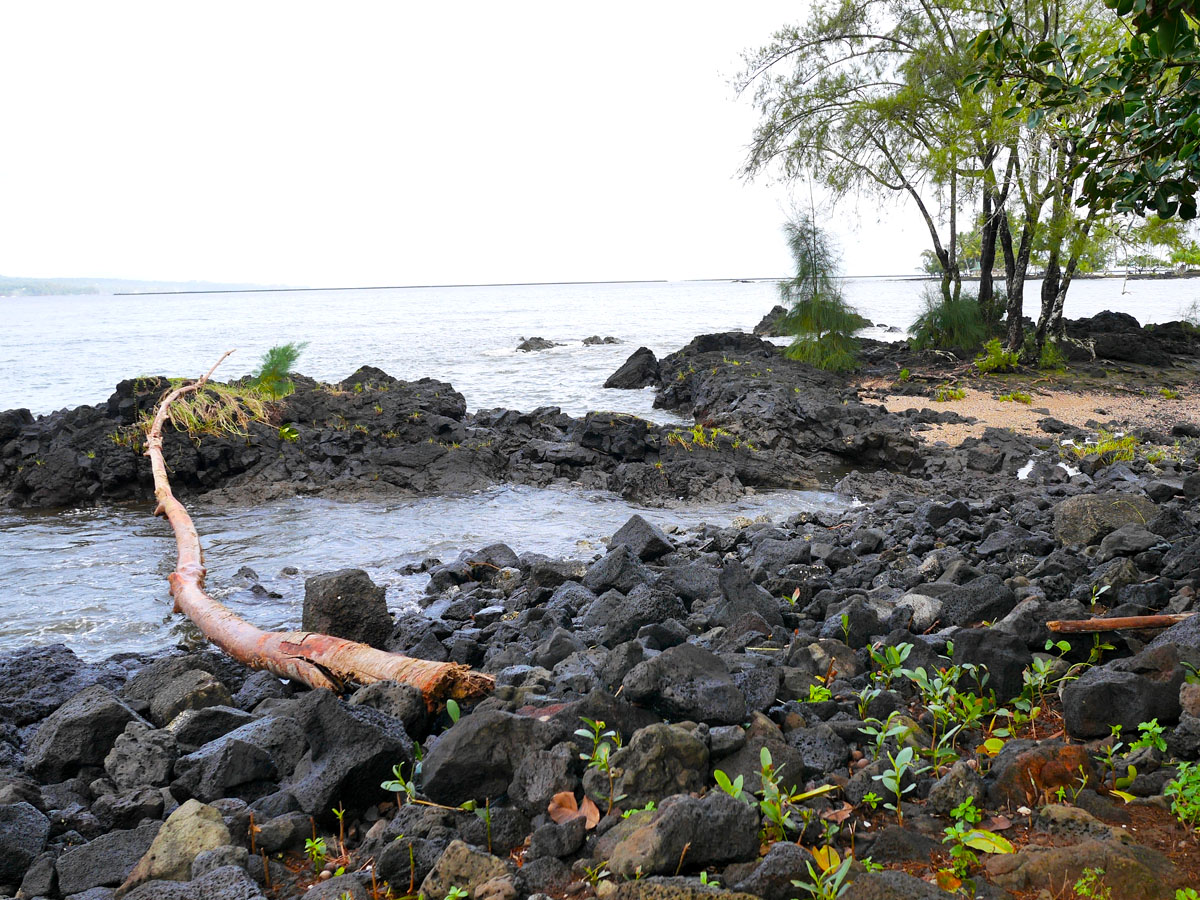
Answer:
(96, 579)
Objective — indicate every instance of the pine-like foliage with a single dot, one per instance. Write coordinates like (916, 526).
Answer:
(275, 369)
(817, 315)
(948, 324)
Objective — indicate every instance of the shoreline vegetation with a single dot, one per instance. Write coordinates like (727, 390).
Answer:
(861, 700)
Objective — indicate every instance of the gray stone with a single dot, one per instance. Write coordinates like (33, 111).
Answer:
(659, 761)
(78, 733)
(463, 867)
(23, 833)
(141, 756)
(347, 604)
(949, 791)
(194, 689)
(105, 861)
(687, 682)
(193, 728)
(647, 541)
(191, 829)
(1088, 518)
(393, 698)
(343, 887)
(218, 769)
(716, 829)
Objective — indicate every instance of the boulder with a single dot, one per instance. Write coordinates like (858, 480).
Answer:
(1088, 518)
(541, 775)
(347, 604)
(36, 681)
(1027, 773)
(648, 542)
(462, 866)
(687, 682)
(141, 756)
(986, 598)
(194, 689)
(1128, 540)
(229, 882)
(772, 878)
(351, 750)
(23, 833)
(742, 596)
(891, 885)
(189, 831)
(659, 761)
(475, 759)
(193, 728)
(715, 830)
(1004, 656)
(533, 344)
(619, 570)
(79, 733)
(639, 371)
(396, 699)
(105, 861)
(1130, 870)
(220, 769)
(1126, 692)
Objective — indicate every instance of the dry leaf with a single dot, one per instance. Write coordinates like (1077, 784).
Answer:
(590, 811)
(948, 881)
(838, 816)
(563, 807)
(999, 823)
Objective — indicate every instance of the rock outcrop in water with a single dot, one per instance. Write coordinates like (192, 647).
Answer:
(765, 422)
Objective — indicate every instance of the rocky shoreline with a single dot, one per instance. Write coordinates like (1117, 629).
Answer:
(841, 644)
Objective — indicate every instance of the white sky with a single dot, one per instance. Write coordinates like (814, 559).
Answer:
(394, 143)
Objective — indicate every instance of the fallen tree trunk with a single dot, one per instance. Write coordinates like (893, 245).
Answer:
(1117, 623)
(318, 660)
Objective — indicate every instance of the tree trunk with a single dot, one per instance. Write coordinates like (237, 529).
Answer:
(318, 660)
(987, 259)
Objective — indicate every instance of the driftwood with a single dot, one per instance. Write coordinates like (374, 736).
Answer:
(318, 660)
(1117, 623)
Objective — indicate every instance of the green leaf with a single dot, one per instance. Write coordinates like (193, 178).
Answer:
(987, 842)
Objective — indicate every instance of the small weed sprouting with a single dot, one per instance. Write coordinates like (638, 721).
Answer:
(903, 766)
(603, 743)
(315, 849)
(456, 893)
(904, 376)
(996, 359)
(1052, 357)
(1184, 791)
(1152, 737)
(1168, 394)
(1107, 449)
(289, 433)
(889, 660)
(1090, 886)
(453, 711)
(945, 393)
(1016, 397)
(819, 693)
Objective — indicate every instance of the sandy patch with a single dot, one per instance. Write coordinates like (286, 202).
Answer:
(1073, 407)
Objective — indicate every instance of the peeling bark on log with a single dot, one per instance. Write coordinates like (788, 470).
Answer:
(318, 660)
(1117, 623)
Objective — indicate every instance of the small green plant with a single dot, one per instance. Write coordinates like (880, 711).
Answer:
(273, 375)
(598, 757)
(818, 693)
(995, 358)
(709, 880)
(289, 433)
(456, 893)
(398, 784)
(1108, 448)
(732, 788)
(597, 873)
(871, 800)
(1090, 886)
(453, 710)
(1168, 394)
(903, 766)
(649, 807)
(1016, 397)
(826, 884)
(1184, 791)
(904, 376)
(1186, 894)
(889, 660)
(315, 849)
(1052, 357)
(1151, 738)
(945, 393)
(881, 732)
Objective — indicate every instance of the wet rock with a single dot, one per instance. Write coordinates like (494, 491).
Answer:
(938, 515)
(718, 828)
(646, 541)
(659, 761)
(1088, 518)
(258, 687)
(141, 756)
(1130, 870)
(23, 833)
(533, 344)
(1125, 692)
(687, 682)
(639, 371)
(105, 861)
(34, 682)
(79, 733)
(476, 758)
(463, 867)
(347, 604)
(618, 570)
(190, 830)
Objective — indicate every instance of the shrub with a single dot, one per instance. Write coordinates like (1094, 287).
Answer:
(819, 318)
(1016, 397)
(1051, 357)
(946, 324)
(273, 375)
(945, 393)
(995, 358)
(1107, 449)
